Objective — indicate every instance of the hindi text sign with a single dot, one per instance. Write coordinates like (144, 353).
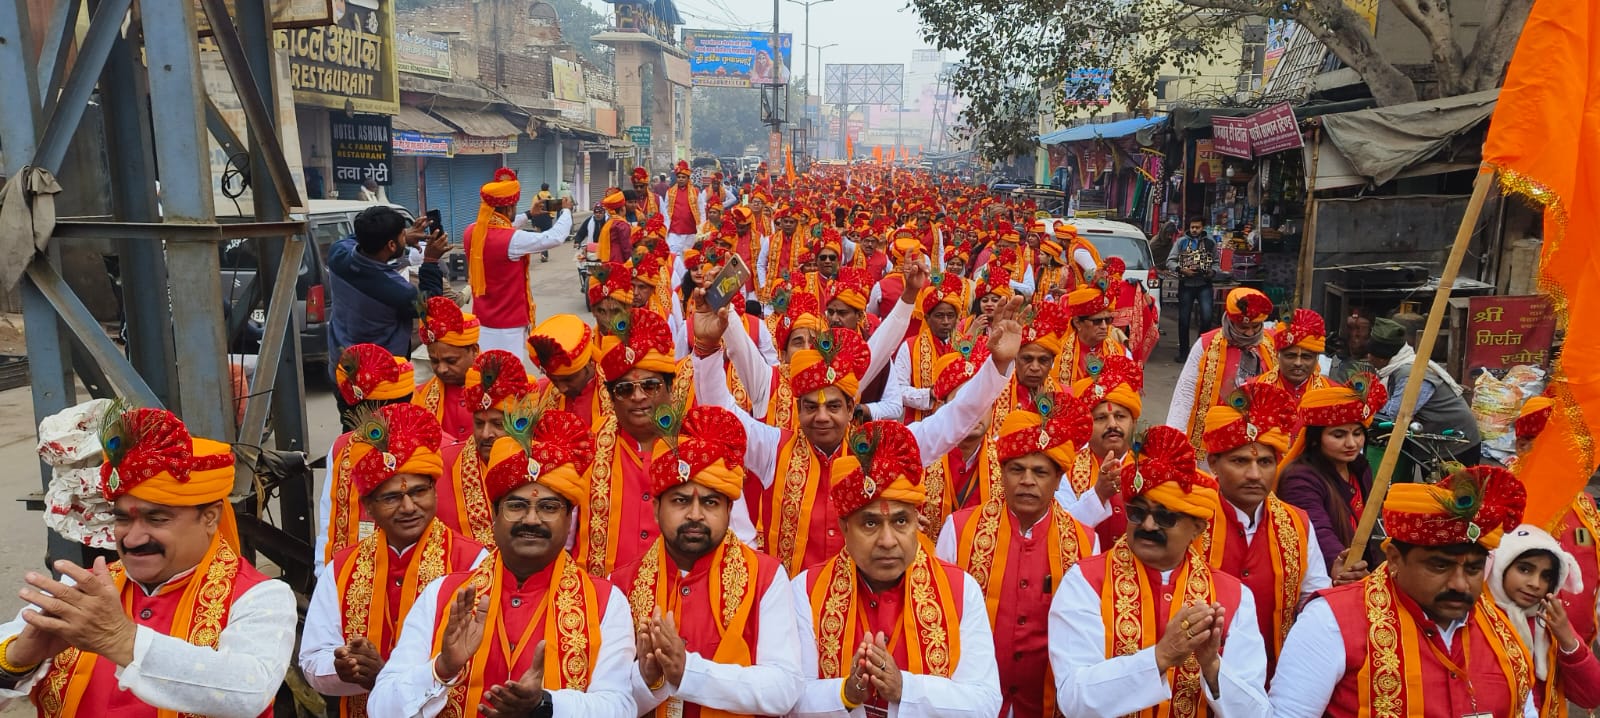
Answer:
(1503, 332)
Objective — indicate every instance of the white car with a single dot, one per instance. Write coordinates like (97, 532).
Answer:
(1120, 239)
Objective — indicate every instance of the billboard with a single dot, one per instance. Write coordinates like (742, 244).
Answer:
(567, 78)
(1088, 86)
(422, 53)
(868, 84)
(735, 58)
(349, 64)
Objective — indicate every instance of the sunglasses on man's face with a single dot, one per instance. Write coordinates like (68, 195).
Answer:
(627, 388)
(1097, 321)
(1163, 518)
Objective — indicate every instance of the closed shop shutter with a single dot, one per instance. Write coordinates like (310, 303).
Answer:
(528, 163)
(468, 174)
(599, 176)
(436, 173)
(403, 190)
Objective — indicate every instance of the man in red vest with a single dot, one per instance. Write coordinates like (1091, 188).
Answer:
(182, 622)
(1142, 628)
(1421, 637)
(451, 336)
(497, 265)
(683, 210)
(715, 618)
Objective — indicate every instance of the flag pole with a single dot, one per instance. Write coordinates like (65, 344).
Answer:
(1419, 368)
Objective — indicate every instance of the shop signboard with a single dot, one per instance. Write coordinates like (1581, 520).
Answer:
(639, 135)
(1207, 163)
(567, 79)
(1088, 86)
(362, 147)
(422, 53)
(1230, 136)
(348, 65)
(471, 145)
(422, 144)
(736, 58)
(1274, 130)
(1503, 332)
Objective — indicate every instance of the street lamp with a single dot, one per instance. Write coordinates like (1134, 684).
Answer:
(807, 4)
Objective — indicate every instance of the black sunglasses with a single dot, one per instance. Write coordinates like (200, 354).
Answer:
(1097, 321)
(626, 388)
(1164, 518)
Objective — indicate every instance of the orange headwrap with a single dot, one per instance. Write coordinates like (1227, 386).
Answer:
(953, 369)
(852, 287)
(562, 345)
(1533, 417)
(611, 280)
(149, 455)
(948, 290)
(396, 439)
(1257, 412)
(1057, 430)
(882, 461)
(1356, 403)
(800, 311)
(443, 321)
(1046, 327)
(551, 447)
(994, 280)
(708, 449)
(839, 360)
(1472, 505)
(614, 201)
(1114, 378)
(641, 341)
(1247, 305)
(503, 191)
(497, 380)
(1163, 471)
(366, 372)
(1304, 329)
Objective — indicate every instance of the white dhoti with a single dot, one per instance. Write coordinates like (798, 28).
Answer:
(514, 340)
(679, 243)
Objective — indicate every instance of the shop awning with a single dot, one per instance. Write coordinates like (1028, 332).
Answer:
(1382, 142)
(1103, 130)
(485, 123)
(571, 128)
(413, 119)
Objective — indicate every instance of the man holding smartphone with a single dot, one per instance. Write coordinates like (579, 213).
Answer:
(376, 304)
(497, 265)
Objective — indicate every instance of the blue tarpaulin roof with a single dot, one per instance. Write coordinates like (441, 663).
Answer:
(1120, 128)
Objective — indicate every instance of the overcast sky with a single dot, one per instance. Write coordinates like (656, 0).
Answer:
(865, 30)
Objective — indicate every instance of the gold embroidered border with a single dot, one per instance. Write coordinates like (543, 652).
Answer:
(599, 506)
(782, 413)
(339, 537)
(1206, 392)
(1383, 649)
(790, 497)
(735, 578)
(830, 629)
(478, 519)
(1287, 536)
(358, 592)
(933, 635)
(433, 398)
(984, 540)
(570, 620)
(642, 595)
(1516, 652)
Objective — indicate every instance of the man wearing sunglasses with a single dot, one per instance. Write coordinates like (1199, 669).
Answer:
(1168, 616)
(358, 608)
(1092, 340)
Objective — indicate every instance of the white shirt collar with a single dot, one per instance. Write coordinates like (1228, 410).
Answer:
(1027, 532)
(1250, 521)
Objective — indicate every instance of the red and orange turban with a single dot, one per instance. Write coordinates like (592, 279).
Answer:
(708, 449)
(1163, 471)
(1305, 329)
(497, 380)
(948, 290)
(550, 447)
(953, 369)
(801, 310)
(443, 321)
(1057, 430)
(1472, 505)
(149, 455)
(852, 287)
(1247, 305)
(614, 200)
(611, 280)
(642, 341)
(640, 174)
(1004, 232)
(1047, 327)
(839, 359)
(1114, 378)
(367, 372)
(562, 345)
(994, 280)
(1356, 403)
(1257, 412)
(396, 439)
(881, 461)
(682, 169)
(1533, 417)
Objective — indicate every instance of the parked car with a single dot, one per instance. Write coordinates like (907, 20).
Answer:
(327, 221)
(1120, 239)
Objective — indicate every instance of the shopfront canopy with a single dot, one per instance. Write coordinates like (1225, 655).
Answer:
(413, 119)
(1103, 130)
(484, 123)
(1383, 142)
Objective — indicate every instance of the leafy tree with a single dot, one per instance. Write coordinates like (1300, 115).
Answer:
(1017, 47)
(580, 23)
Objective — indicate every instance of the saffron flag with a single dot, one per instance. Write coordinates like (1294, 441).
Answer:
(849, 149)
(788, 163)
(1544, 140)
(877, 153)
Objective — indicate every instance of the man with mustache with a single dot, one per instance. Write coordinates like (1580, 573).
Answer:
(527, 632)
(1299, 341)
(1224, 359)
(495, 383)
(1420, 637)
(963, 477)
(714, 618)
(451, 336)
(894, 628)
(563, 348)
(1259, 539)
(792, 466)
(181, 623)
(1018, 546)
(1091, 308)
(1044, 327)
(357, 610)
(1142, 628)
(367, 378)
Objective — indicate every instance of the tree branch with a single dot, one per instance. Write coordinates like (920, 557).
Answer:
(1496, 41)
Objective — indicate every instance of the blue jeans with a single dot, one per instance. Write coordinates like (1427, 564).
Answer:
(1188, 297)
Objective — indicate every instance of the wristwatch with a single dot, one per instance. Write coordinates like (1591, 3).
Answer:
(544, 708)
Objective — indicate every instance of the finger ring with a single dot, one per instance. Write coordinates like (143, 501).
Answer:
(860, 687)
(1184, 625)
(1190, 635)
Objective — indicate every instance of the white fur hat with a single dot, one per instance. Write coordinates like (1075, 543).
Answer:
(1525, 538)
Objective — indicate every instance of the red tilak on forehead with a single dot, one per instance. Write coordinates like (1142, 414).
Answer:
(884, 505)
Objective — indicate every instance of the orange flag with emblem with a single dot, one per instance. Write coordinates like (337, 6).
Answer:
(1544, 140)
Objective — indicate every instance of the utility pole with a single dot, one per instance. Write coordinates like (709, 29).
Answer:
(807, 4)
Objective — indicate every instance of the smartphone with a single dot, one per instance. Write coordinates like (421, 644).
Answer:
(435, 221)
(552, 205)
(727, 283)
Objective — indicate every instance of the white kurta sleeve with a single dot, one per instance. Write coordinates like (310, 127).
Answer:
(1088, 509)
(938, 434)
(1316, 577)
(324, 512)
(524, 243)
(761, 265)
(874, 298)
(949, 543)
(752, 367)
(761, 441)
(609, 694)
(890, 408)
(765, 343)
(1024, 287)
(1182, 403)
(406, 687)
(890, 333)
(1084, 260)
(323, 634)
(973, 690)
(818, 696)
(1310, 665)
(680, 334)
(237, 679)
(771, 686)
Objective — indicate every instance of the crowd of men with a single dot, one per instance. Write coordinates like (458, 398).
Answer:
(900, 472)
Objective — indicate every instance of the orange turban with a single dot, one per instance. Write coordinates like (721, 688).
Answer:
(640, 174)
(953, 369)
(550, 447)
(948, 290)
(562, 345)
(994, 280)
(1304, 329)
(1163, 471)
(852, 287)
(614, 201)
(1114, 378)
(443, 321)
(708, 450)
(611, 280)
(150, 456)
(642, 340)
(1356, 403)
(839, 359)
(1533, 417)
(681, 169)
(1257, 412)
(1472, 505)
(882, 461)
(367, 372)
(497, 380)
(1057, 430)
(1047, 327)
(396, 439)
(905, 242)
(1247, 305)
(503, 191)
